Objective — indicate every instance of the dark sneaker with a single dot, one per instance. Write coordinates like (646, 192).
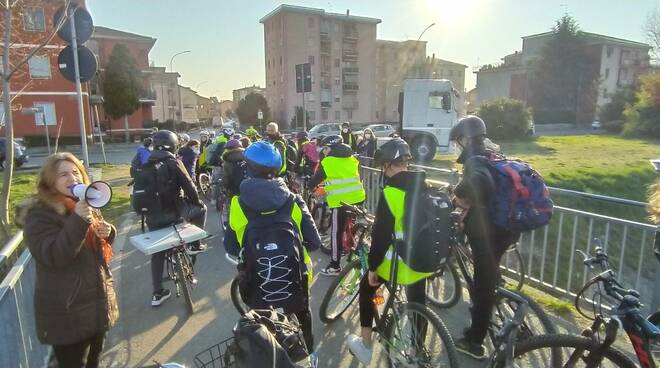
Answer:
(193, 249)
(159, 297)
(331, 270)
(470, 348)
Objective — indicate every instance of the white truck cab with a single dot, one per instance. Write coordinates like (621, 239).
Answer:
(428, 112)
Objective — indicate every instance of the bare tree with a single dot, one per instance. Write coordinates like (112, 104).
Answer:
(652, 32)
(17, 49)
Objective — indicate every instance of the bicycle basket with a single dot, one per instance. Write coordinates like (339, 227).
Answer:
(220, 355)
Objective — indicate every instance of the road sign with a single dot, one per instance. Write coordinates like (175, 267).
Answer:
(86, 60)
(260, 114)
(303, 78)
(82, 21)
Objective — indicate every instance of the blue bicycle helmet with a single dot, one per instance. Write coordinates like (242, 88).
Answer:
(263, 158)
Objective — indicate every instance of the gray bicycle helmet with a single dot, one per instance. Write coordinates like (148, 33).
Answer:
(469, 126)
(395, 150)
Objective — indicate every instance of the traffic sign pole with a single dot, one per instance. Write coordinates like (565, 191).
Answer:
(81, 115)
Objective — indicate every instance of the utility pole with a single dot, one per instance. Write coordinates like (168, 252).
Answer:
(81, 114)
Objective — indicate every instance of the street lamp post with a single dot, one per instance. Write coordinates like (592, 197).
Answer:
(175, 55)
(199, 84)
(424, 31)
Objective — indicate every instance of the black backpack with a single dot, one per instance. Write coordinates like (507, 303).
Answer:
(239, 173)
(429, 213)
(271, 271)
(214, 155)
(135, 164)
(266, 338)
(153, 182)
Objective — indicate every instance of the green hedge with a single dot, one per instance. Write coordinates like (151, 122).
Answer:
(505, 118)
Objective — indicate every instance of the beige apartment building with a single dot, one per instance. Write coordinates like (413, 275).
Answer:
(168, 100)
(341, 49)
(188, 105)
(239, 94)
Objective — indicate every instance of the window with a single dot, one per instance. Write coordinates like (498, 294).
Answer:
(337, 81)
(2, 115)
(273, 82)
(610, 51)
(33, 20)
(337, 99)
(607, 72)
(49, 111)
(439, 100)
(280, 60)
(311, 59)
(310, 22)
(349, 114)
(323, 129)
(337, 115)
(337, 63)
(39, 67)
(312, 115)
(324, 115)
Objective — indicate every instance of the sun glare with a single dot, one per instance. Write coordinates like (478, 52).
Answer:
(450, 11)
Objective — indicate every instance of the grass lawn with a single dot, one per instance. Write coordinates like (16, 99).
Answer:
(24, 184)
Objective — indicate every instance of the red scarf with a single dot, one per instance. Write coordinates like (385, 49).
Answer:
(92, 241)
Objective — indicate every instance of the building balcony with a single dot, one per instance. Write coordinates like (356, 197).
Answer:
(351, 70)
(349, 55)
(351, 36)
(349, 86)
(148, 98)
(350, 105)
(326, 104)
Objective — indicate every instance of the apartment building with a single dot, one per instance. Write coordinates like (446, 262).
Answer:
(189, 112)
(165, 86)
(239, 94)
(621, 62)
(341, 49)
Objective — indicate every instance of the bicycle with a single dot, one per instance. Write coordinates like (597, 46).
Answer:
(420, 347)
(343, 290)
(204, 184)
(460, 264)
(589, 348)
(234, 291)
(181, 271)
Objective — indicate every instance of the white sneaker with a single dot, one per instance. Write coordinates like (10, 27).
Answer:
(358, 349)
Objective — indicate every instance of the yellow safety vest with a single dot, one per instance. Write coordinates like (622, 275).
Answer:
(396, 199)
(342, 183)
(238, 222)
(285, 146)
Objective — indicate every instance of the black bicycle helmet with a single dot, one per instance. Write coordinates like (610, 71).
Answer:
(394, 150)
(147, 142)
(332, 140)
(469, 126)
(165, 140)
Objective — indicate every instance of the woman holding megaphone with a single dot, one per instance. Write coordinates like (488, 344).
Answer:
(74, 297)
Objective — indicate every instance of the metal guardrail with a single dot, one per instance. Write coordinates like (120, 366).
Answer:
(19, 346)
(549, 253)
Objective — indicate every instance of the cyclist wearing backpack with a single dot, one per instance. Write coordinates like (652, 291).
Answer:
(158, 196)
(278, 274)
(340, 171)
(141, 156)
(234, 167)
(404, 191)
(487, 240)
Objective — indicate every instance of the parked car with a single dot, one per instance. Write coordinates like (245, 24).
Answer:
(596, 125)
(380, 130)
(20, 153)
(324, 130)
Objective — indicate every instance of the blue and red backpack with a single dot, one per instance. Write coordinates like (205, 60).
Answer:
(522, 199)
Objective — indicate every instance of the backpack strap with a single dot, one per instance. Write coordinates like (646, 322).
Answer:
(286, 207)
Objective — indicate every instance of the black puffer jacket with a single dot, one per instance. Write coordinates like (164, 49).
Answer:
(74, 296)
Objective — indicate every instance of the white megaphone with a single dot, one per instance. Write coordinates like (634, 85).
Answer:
(96, 194)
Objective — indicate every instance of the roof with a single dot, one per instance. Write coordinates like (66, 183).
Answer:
(597, 37)
(315, 11)
(109, 33)
(441, 61)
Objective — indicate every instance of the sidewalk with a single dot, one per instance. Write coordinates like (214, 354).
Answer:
(77, 149)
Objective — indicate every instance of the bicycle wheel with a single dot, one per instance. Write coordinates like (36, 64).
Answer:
(538, 352)
(341, 293)
(184, 283)
(236, 299)
(513, 269)
(444, 288)
(417, 337)
(536, 321)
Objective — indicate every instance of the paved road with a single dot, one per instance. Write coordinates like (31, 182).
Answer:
(144, 334)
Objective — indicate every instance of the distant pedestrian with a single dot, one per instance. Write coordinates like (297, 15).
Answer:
(367, 146)
(74, 298)
(188, 155)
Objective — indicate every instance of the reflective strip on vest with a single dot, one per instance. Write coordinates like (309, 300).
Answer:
(396, 199)
(342, 182)
(238, 222)
(283, 154)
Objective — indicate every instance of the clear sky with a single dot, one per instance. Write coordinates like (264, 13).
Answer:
(226, 38)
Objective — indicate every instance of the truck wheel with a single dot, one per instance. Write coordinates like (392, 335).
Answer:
(423, 149)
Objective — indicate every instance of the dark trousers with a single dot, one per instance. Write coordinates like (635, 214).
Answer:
(158, 259)
(337, 223)
(83, 354)
(415, 293)
(488, 243)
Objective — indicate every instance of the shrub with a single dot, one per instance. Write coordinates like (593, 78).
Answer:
(611, 115)
(642, 119)
(505, 118)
